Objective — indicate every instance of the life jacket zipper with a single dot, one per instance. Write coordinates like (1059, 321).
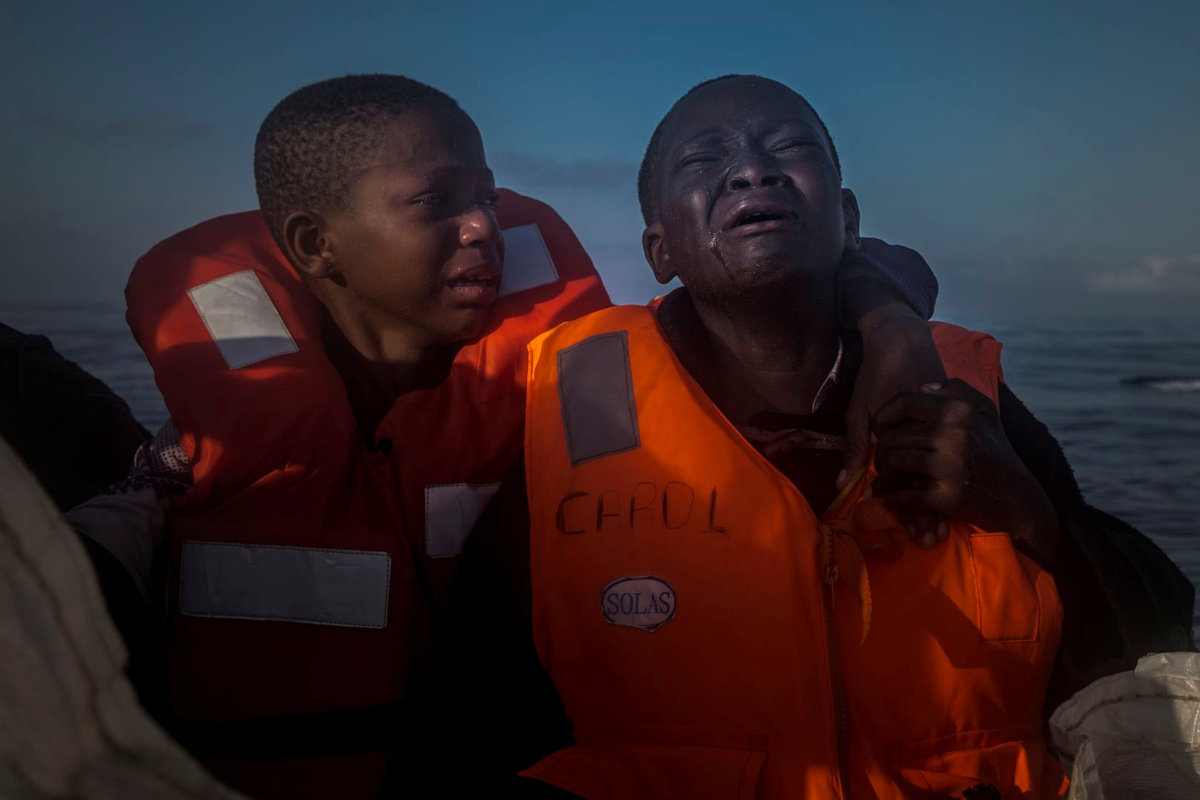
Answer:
(841, 712)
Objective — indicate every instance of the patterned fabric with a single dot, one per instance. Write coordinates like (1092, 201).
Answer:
(159, 464)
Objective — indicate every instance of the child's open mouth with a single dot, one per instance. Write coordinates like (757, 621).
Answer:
(476, 289)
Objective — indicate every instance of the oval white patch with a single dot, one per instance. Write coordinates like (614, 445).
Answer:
(644, 602)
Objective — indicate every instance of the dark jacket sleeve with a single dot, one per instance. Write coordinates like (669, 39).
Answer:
(1122, 596)
(72, 431)
(879, 272)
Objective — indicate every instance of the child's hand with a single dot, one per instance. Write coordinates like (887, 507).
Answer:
(943, 450)
(898, 355)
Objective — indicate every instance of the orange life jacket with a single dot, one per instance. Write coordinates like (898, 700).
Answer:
(307, 566)
(711, 637)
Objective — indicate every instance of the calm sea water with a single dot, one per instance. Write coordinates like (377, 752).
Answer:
(1122, 396)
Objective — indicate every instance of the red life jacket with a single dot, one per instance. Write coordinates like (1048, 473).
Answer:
(709, 634)
(307, 565)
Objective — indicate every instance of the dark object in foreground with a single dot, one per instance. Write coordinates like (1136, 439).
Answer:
(72, 724)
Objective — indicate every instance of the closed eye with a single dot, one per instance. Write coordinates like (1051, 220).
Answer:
(697, 159)
(429, 199)
(793, 144)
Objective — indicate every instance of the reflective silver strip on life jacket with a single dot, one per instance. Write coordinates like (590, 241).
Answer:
(595, 385)
(451, 511)
(527, 261)
(291, 584)
(241, 319)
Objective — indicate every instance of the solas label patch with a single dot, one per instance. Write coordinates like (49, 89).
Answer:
(645, 601)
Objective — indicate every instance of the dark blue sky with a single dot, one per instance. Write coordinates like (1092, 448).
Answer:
(1043, 156)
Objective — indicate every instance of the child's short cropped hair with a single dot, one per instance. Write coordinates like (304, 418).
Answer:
(314, 140)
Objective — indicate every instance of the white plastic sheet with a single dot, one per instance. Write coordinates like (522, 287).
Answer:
(1134, 735)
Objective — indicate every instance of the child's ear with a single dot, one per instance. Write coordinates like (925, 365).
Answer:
(655, 250)
(306, 245)
(851, 218)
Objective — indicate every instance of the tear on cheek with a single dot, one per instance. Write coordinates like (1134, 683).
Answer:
(714, 245)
